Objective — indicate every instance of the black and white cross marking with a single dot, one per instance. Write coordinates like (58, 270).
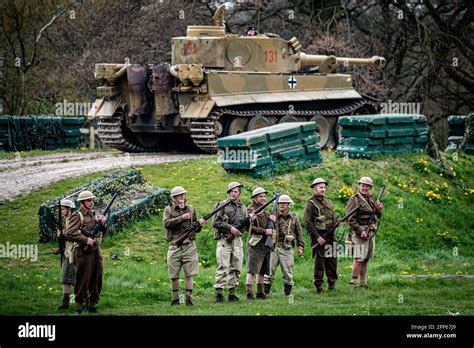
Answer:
(292, 81)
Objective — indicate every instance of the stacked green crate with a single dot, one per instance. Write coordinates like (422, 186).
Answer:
(4, 133)
(370, 135)
(72, 133)
(456, 130)
(271, 149)
(22, 133)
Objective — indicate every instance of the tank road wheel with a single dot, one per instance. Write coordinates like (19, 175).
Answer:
(147, 140)
(257, 122)
(366, 109)
(288, 118)
(323, 129)
(237, 125)
(273, 120)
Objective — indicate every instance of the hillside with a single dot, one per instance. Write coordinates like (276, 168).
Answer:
(426, 229)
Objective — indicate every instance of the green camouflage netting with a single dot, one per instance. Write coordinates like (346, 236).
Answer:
(136, 199)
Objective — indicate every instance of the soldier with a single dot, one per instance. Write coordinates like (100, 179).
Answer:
(177, 217)
(89, 267)
(361, 233)
(318, 217)
(288, 235)
(251, 31)
(258, 255)
(229, 254)
(68, 271)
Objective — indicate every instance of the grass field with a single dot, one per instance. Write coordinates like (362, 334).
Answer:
(417, 236)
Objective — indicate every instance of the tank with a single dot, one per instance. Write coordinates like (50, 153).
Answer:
(220, 84)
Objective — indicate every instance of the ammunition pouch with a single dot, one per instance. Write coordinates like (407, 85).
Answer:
(289, 240)
(255, 239)
(320, 222)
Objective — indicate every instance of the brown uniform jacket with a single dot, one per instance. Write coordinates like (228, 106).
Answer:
(360, 219)
(79, 232)
(175, 225)
(318, 217)
(232, 215)
(259, 225)
(288, 224)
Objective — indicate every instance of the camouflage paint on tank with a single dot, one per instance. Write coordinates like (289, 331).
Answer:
(211, 69)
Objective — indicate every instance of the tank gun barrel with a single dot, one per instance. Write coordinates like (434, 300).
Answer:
(328, 64)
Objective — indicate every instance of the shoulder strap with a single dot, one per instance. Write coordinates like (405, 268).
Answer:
(319, 210)
(81, 216)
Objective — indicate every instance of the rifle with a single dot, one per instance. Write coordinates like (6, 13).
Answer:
(98, 224)
(59, 226)
(330, 231)
(195, 225)
(373, 214)
(271, 224)
(246, 222)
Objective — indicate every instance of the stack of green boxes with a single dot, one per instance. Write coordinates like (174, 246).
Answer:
(21, 133)
(264, 151)
(370, 135)
(455, 132)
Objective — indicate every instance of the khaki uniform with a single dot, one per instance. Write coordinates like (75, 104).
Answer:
(318, 218)
(68, 270)
(186, 256)
(288, 234)
(229, 255)
(89, 265)
(362, 249)
(258, 255)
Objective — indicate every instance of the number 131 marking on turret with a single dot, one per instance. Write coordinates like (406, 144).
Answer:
(270, 56)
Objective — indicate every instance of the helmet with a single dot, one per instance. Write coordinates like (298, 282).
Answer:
(318, 181)
(178, 190)
(85, 195)
(258, 191)
(233, 185)
(366, 180)
(67, 203)
(284, 199)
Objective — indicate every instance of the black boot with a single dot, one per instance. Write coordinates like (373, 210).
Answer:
(219, 298)
(287, 289)
(260, 292)
(78, 310)
(249, 291)
(65, 301)
(92, 307)
(175, 302)
(232, 297)
(267, 288)
(319, 291)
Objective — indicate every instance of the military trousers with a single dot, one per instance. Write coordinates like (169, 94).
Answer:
(89, 270)
(229, 258)
(285, 258)
(323, 264)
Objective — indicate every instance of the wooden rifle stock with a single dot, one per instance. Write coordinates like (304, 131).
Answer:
(331, 230)
(195, 225)
(271, 224)
(246, 222)
(98, 224)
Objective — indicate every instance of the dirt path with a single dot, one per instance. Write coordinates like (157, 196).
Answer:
(22, 175)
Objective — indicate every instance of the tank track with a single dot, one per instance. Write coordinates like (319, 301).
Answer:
(203, 130)
(111, 134)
